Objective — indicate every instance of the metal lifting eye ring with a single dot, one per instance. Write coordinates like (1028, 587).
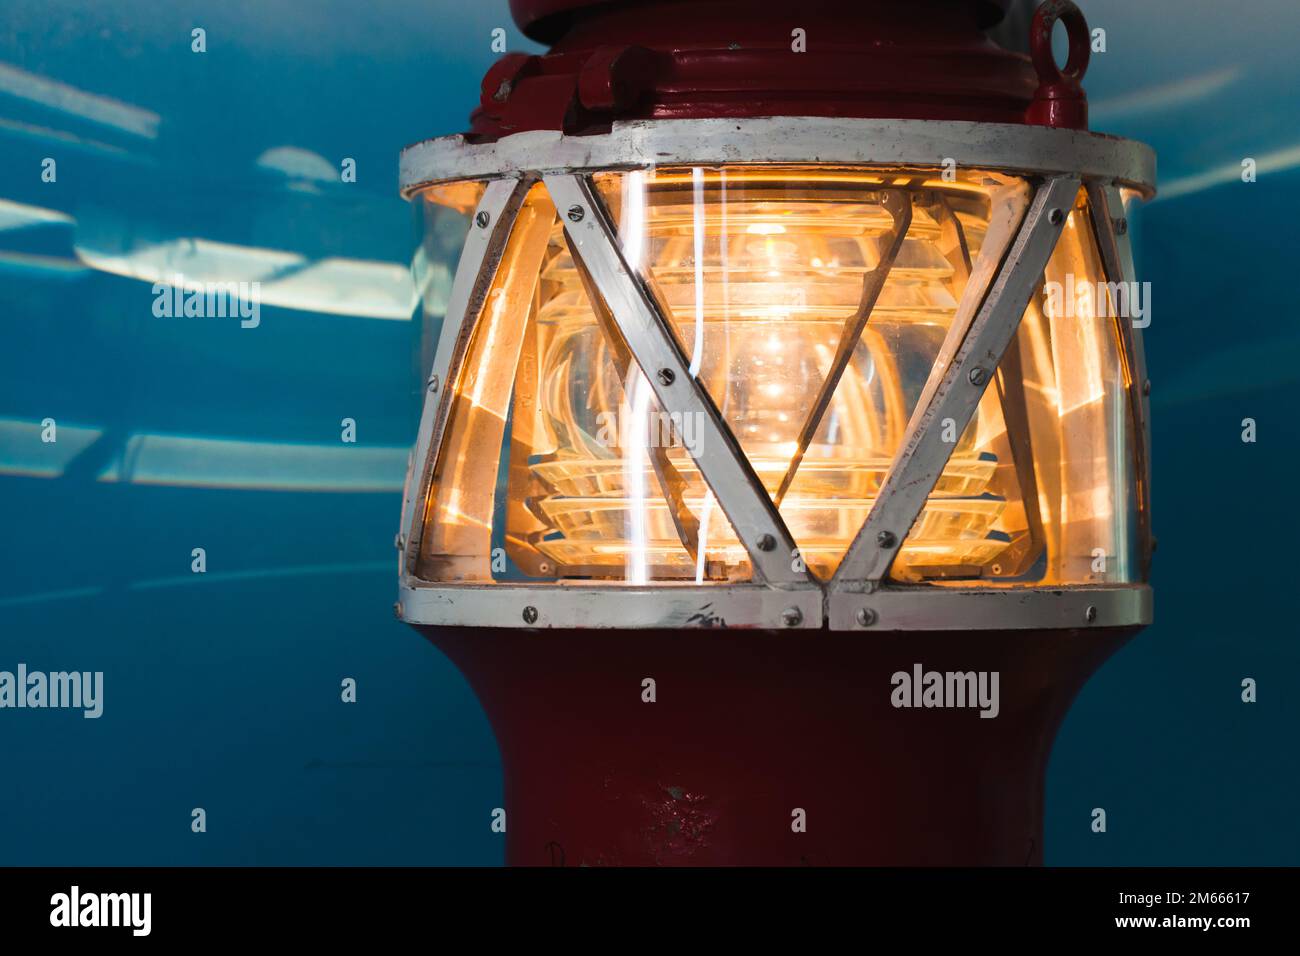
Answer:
(1040, 43)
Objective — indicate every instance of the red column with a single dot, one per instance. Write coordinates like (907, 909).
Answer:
(749, 726)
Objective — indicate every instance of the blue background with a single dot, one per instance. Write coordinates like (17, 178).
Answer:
(222, 689)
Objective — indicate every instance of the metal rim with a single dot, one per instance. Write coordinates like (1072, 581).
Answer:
(788, 140)
(996, 609)
(922, 608)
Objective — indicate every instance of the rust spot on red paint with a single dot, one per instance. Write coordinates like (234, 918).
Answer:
(679, 825)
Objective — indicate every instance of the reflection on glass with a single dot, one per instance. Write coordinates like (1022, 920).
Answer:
(1056, 426)
(814, 305)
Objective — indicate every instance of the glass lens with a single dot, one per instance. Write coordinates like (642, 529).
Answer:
(1055, 431)
(446, 214)
(558, 461)
(813, 304)
(817, 307)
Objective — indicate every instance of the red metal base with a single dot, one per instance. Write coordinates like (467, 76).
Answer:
(750, 726)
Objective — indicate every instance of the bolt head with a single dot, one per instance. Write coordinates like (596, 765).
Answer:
(1146, 387)
(766, 542)
(433, 383)
(792, 616)
(978, 376)
(667, 376)
(482, 219)
(1121, 226)
(1090, 614)
(1056, 217)
(866, 617)
(530, 615)
(576, 213)
(886, 539)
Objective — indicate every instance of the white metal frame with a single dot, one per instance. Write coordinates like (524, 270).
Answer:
(792, 140)
(672, 606)
(858, 597)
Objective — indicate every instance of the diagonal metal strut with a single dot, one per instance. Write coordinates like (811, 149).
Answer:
(671, 482)
(645, 328)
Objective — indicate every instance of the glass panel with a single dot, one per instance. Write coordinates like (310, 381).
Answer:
(558, 462)
(456, 544)
(813, 304)
(1057, 503)
(603, 484)
(445, 216)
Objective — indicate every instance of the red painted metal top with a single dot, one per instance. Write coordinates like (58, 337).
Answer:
(546, 20)
(662, 59)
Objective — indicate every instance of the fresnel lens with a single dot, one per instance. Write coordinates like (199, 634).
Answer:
(780, 391)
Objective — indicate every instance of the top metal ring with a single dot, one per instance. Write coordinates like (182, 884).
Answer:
(788, 140)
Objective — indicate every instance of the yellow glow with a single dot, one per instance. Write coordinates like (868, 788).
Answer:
(761, 270)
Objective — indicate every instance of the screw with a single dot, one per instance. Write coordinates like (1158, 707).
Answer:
(1146, 387)
(866, 616)
(530, 615)
(482, 219)
(576, 213)
(399, 543)
(978, 376)
(667, 376)
(886, 539)
(544, 568)
(1056, 217)
(792, 616)
(433, 383)
(1121, 226)
(766, 542)
(1090, 615)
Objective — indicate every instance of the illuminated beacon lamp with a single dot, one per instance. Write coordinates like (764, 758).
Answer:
(785, 392)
